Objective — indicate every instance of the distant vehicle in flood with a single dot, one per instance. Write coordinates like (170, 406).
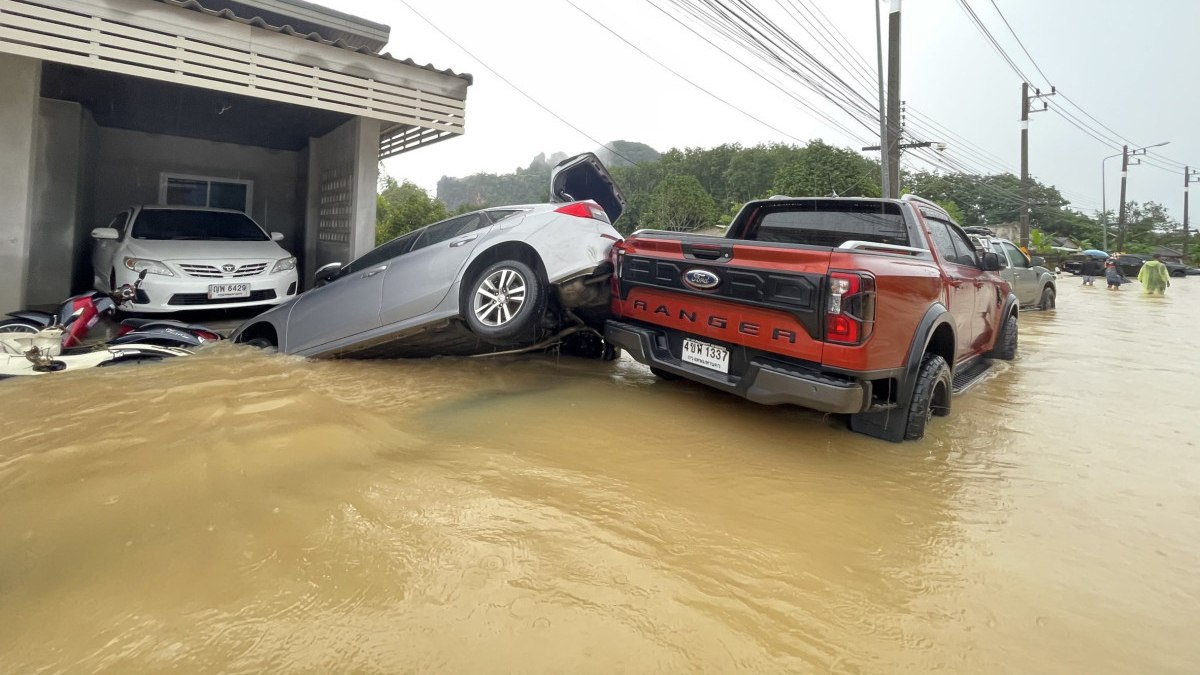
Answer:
(495, 279)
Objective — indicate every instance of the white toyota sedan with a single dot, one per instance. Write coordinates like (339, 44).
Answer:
(195, 258)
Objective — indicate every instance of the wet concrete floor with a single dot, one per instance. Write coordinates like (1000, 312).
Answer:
(238, 512)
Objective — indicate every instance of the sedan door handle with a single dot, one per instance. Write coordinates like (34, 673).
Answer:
(371, 273)
(956, 282)
(459, 242)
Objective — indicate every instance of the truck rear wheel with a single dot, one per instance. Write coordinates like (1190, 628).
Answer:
(1005, 348)
(931, 396)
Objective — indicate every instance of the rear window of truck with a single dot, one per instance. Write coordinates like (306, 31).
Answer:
(828, 223)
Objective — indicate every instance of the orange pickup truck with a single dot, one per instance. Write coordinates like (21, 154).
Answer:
(880, 309)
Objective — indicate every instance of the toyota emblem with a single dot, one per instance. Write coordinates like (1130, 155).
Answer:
(701, 279)
(227, 268)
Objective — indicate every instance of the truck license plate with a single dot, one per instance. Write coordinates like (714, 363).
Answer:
(704, 354)
(228, 291)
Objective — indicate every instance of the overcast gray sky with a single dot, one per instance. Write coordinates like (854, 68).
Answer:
(1126, 63)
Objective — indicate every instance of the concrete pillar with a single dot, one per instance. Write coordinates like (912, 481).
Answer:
(343, 172)
(366, 175)
(21, 81)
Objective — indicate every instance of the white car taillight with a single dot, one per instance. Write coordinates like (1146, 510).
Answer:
(584, 210)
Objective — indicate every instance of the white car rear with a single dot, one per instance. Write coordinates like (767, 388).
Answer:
(196, 258)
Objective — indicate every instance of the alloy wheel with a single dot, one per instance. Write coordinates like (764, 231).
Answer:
(499, 297)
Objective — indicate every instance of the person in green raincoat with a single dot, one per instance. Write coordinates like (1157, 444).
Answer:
(1154, 277)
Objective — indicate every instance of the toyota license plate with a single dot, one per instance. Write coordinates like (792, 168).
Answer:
(704, 354)
(228, 291)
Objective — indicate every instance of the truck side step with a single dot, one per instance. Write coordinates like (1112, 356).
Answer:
(968, 376)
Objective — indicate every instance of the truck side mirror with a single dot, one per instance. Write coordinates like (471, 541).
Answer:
(990, 262)
(1038, 261)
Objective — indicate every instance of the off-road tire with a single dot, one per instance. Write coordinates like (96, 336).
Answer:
(931, 396)
(525, 320)
(1047, 301)
(1006, 343)
(664, 375)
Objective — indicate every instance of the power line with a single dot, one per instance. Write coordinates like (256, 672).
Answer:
(515, 87)
(987, 34)
(680, 76)
(1021, 44)
(813, 109)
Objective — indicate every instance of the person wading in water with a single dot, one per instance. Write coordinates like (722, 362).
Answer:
(1155, 277)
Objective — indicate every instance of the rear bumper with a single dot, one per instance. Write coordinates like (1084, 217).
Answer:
(766, 383)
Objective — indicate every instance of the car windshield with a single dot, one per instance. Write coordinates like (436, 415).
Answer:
(182, 224)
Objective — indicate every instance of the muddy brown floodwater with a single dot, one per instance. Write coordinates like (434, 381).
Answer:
(244, 513)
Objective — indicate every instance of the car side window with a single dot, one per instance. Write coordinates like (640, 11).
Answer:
(998, 249)
(449, 229)
(1015, 257)
(396, 247)
(498, 215)
(944, 240)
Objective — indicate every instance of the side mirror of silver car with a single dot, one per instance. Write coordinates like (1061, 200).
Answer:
(326, 274)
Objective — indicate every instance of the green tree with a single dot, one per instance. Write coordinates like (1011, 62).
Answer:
(822, 169)
(401, 207)
(680, 203)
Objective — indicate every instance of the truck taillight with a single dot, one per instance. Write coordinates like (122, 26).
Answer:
(584, 210)
(850, 309)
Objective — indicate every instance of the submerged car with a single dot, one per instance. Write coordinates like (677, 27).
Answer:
(195, 258)
(492, 280)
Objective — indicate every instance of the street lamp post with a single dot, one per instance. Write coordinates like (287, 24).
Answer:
(1124, 155)
(1103, 204)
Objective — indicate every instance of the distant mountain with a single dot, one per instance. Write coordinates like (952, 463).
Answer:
(530, 185)
(627, 153)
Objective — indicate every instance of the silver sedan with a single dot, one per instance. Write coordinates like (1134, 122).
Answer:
(491, 280)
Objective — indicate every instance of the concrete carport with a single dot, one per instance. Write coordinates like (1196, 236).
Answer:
(280, 108)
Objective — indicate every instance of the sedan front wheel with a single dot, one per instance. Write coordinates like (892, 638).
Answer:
(505, 303)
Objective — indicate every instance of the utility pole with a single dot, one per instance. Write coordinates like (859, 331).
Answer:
(1025, 185)
(1121, 212)
(893, 108)
(885, 185)
(1189, 177)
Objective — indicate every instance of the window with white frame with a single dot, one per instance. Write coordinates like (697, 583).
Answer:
(218, 193)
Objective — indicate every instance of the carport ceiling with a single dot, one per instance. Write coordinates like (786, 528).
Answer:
(139, 104)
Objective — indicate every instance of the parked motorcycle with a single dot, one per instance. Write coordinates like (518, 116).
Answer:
(34, 342)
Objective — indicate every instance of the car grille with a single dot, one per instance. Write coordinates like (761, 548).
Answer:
(202, 298)
(214, 272)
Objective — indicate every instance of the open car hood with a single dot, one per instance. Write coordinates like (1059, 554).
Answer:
(584, 177)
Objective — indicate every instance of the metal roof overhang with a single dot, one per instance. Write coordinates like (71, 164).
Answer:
(144, 38)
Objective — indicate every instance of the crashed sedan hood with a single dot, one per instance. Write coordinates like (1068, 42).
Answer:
(204, 250)
(584, 177)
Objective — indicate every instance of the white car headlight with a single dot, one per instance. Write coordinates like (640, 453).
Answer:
(284, 265)
(151, 266)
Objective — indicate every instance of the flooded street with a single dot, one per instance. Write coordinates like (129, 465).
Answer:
(240, 512)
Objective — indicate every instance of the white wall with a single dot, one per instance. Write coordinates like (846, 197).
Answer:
(56, 202)
(129, 164)
(20, 80)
